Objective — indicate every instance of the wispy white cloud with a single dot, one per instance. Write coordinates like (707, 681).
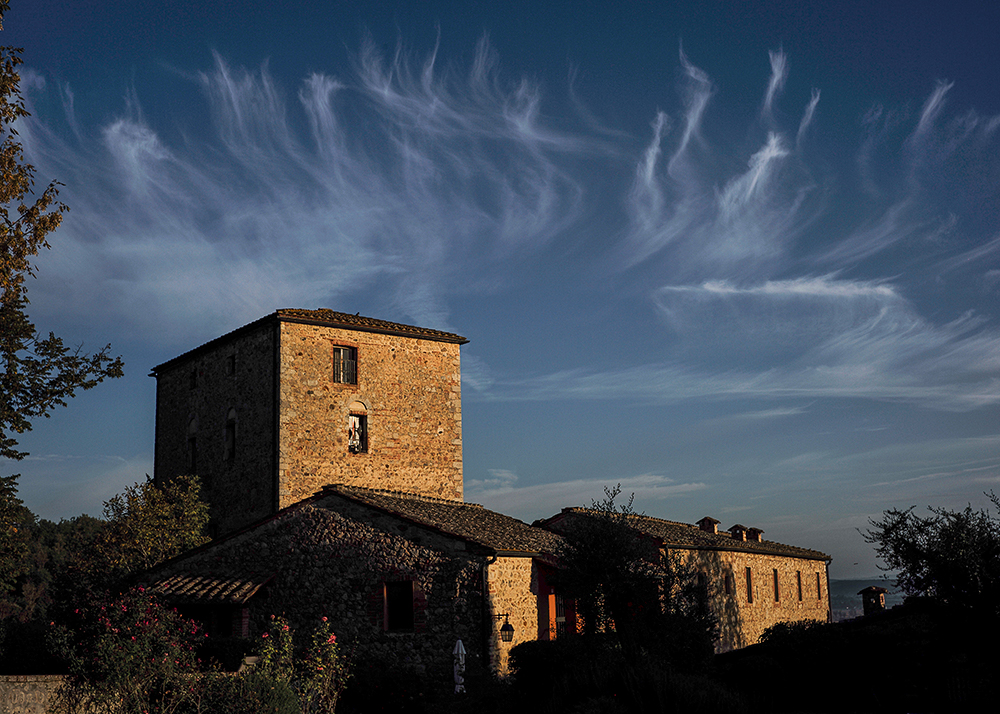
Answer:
(779, 73)
(423, 184)
(407, 175)
(802, 338)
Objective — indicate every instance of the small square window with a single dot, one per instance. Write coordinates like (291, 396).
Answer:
(345, 365)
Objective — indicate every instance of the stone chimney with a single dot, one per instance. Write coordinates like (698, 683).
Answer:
(738, 532)
(753, 534)
(873, 599)
(709, 525)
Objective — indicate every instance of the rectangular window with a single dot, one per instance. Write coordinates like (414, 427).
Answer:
(730, 584)
(819, 590)
(777, 593)
(560, 616)
(798, 577)
(749, 586)
(193, 455)
(398, 606)
(345, 365)
(231, 365)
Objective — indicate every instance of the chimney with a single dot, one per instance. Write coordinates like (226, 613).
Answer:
(738, 532)
(873, 599)
(753, 534)
(709, 525)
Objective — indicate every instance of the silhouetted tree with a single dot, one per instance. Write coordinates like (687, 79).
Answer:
(624, 585)
(950, 556)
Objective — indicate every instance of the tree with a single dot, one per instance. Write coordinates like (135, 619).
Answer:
(950, 556)
(39, 373)
(147, 525)
(15, 524)
(623, 583)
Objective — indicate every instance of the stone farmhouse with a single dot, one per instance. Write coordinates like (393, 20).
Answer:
(330, 449)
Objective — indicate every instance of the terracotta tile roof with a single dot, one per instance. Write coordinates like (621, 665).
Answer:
(684, 535)
(467, 521)
(366, 324)
(205, 590)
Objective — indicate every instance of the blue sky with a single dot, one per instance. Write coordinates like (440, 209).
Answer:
(742, 258)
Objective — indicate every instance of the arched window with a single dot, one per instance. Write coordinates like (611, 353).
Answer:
(357, 428)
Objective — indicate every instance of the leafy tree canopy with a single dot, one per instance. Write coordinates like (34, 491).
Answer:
(147, 525)
(38, 373)
(950, 556)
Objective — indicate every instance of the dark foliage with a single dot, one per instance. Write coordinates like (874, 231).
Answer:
(950, 556)
(646, 600)
(592, 674)
(919, 657)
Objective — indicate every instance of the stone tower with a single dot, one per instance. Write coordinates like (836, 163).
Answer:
(270, 413)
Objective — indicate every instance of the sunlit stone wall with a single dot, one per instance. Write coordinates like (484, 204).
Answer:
(410, 391)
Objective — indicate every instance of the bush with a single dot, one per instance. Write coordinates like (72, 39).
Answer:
(128, 654)
(248, 692)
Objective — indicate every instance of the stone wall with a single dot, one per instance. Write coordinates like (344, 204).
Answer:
(742, 620)
(28, 693)
(513, 589)
(331, 558)
(195, 397)
(275, 379)
(410, 390)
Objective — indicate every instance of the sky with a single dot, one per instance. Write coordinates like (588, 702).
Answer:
(741, 258)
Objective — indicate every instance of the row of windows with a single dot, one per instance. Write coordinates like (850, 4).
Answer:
(776, 584)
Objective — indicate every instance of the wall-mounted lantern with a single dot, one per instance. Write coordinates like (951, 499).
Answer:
(507, 630)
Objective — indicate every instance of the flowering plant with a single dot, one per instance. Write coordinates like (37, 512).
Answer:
(128, 653)
(321, 672)
(318, 674)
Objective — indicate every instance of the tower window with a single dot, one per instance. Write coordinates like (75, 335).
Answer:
(357, 428)
(345, 365)
(230, 441)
